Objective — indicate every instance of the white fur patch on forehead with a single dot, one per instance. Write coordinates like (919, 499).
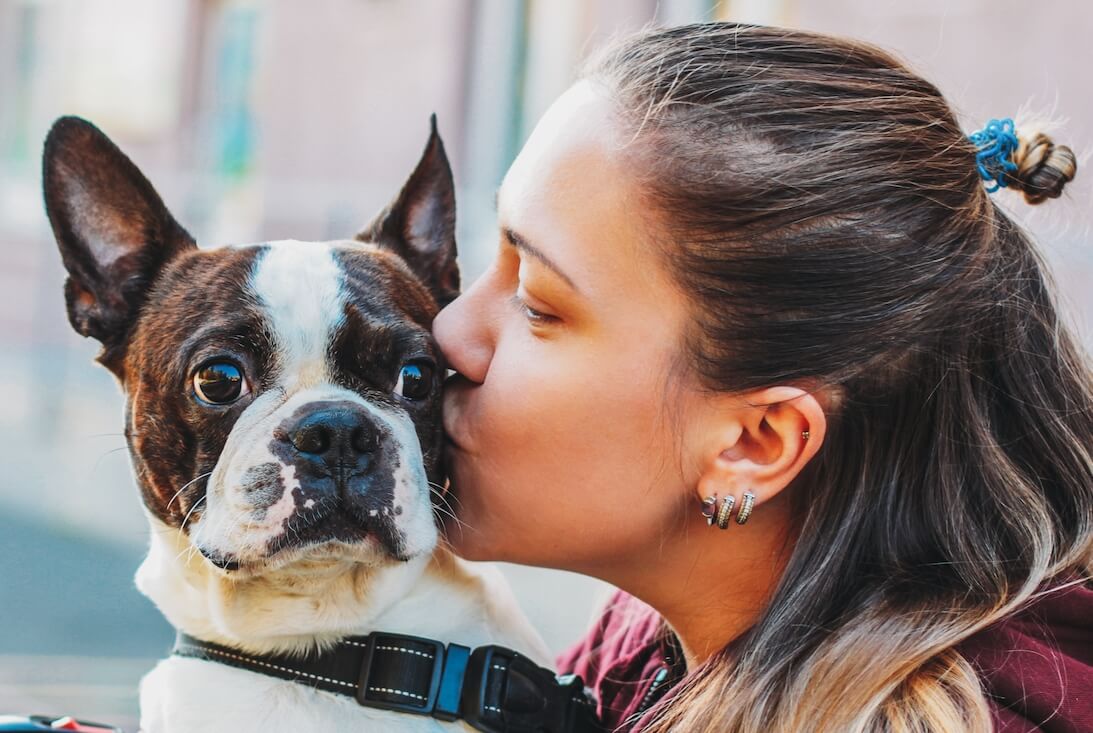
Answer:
(300, 286)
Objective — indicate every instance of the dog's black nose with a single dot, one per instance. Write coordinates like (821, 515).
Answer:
(342, 434)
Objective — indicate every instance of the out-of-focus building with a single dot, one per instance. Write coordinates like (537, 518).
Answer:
(270, 119)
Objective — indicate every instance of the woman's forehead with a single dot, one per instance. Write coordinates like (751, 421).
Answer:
(570, 193)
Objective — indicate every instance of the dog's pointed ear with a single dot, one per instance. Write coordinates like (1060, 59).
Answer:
(419, 224)
(114, 233)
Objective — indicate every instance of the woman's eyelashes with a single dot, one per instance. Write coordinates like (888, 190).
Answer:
(517, 273)
(534, 316)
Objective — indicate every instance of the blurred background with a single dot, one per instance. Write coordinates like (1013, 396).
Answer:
(276, 119)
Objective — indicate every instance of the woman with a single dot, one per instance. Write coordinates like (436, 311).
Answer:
(757, 263)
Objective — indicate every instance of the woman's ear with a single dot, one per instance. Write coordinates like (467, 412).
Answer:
(758, 442)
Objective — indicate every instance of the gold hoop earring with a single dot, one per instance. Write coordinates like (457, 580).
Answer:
(725, 511)
(746, 503)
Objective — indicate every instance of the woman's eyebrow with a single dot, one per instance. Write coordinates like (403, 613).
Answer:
(518, 241)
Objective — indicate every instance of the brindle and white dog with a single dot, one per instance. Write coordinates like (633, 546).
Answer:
(283, 419)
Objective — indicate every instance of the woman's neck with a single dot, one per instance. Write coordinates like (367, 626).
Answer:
(711, 585)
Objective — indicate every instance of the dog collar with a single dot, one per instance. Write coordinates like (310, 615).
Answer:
(492, 688)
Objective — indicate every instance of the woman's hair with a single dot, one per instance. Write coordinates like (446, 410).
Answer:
(820, 206)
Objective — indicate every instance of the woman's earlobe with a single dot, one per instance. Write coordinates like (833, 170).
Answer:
(718, 510)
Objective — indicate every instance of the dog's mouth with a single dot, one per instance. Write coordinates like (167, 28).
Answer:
(319, 529)
(342, 521)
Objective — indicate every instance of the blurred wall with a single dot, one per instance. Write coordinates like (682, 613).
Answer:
(273, 119)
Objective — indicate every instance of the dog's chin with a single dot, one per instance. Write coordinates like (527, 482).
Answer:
(336, 539)
(314, 556)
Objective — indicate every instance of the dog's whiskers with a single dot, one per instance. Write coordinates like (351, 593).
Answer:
(188, 551)
(438, 492)
(445, 495)
(443, 507)
(189, 513)
(110, 452)
(187, 485)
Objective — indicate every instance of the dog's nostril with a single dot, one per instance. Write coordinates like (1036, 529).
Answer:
(313, 439)
(334, 432)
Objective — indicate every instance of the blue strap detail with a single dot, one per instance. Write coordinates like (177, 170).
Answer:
(996, 144)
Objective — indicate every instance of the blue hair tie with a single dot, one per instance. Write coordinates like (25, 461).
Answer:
(996, 144)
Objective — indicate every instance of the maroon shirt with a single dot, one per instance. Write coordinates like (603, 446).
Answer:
(1036, 665)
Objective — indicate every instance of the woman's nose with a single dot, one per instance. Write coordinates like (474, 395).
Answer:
(462, 331)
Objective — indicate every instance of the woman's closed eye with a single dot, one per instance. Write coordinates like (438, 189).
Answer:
(534, 316)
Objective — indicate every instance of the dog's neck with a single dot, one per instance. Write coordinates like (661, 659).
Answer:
(306, 604)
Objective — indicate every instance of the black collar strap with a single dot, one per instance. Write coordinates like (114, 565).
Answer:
(492, 688)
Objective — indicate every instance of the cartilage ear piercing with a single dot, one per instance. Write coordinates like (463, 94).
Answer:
(709, 508)
(725, 511)
(746, 503)
(804, 434)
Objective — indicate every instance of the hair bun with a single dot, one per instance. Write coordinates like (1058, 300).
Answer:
(1043, 168)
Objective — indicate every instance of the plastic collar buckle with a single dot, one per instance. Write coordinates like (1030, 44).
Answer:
(505, 692)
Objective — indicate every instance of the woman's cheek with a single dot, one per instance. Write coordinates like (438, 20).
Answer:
(522, 418)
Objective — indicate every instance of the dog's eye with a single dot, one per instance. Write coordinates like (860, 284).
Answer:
(220, 383)
(415, 381)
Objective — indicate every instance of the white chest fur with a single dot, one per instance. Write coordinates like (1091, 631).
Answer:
(439, 597)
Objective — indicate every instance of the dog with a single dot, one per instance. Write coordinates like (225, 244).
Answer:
(283, 420)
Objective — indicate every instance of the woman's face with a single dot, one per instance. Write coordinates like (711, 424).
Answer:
(565, 444)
